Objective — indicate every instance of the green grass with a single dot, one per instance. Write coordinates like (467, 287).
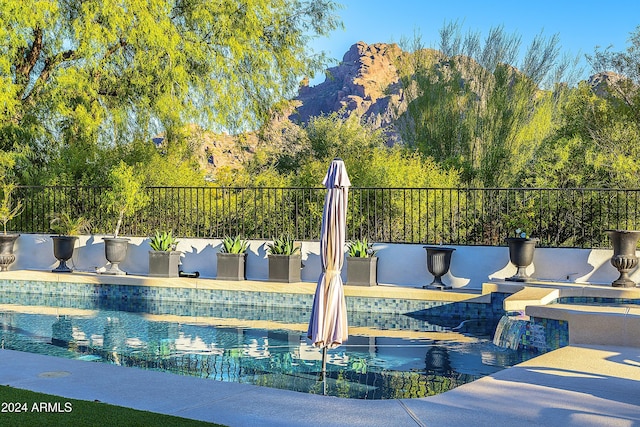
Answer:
(72, 412)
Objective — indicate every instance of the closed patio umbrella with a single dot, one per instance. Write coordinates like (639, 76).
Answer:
(328, 323)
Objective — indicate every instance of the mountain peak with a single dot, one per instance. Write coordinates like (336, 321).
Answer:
(363, 83)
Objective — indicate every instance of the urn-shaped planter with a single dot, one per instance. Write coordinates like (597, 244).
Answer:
(115, 250)
(521, 250)
(164, 263)
(438, 263)
(7, 257)
(362, 271)
(285, 268)
(624, 257)
(231, 266)
(63, 247)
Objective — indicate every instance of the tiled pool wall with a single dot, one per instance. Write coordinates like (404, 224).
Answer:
(546, 334)
(596, 300)
(384, 313)
(254, 305)
(464, 310)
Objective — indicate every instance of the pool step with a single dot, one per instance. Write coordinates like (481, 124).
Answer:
(617, 325)
(530, 296)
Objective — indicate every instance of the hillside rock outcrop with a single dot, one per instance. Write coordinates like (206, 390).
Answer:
(364, 83)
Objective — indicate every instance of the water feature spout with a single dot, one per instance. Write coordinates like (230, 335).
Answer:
(509, 332)
(518, 332)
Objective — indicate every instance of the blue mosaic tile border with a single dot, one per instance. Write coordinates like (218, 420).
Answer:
(462, 310)
(273, 313)
(465, 310)
(596, 300)
(556, 333)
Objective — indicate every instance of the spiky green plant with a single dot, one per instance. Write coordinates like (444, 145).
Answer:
(283, 245)
(63, 224)
(234, 245)
(163, 242)
(360, 248)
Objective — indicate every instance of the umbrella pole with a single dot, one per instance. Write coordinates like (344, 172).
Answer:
(323, 374)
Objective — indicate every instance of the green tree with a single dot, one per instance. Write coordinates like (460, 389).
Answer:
(469, 108)
(9, 207)
(597, 144)
(597, 140)
(125, 195)
(99, 73)
(625, 86)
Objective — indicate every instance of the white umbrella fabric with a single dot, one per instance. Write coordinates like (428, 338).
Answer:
(328, 324)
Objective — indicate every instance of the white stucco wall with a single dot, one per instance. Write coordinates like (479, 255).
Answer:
(398, 264)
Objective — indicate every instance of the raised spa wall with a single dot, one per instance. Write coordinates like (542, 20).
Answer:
(398, 264)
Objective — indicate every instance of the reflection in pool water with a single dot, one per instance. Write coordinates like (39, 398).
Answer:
(398, 357)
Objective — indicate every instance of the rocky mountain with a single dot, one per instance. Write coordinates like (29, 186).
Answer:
(365, 83)
(604, 82)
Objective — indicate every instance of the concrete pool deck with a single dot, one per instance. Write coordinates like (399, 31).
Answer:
(584, 384)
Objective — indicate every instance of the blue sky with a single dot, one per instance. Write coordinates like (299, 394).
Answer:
(580, 25)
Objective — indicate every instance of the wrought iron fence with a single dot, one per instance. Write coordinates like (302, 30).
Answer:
(461, 216)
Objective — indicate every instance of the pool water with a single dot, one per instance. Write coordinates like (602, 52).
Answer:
(384, 360)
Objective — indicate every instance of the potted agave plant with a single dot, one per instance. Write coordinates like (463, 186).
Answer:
(9, 209)
(285, 260)
(232, 259)
(362, 263)
(164, 259)
(66, 231)
(125, 196)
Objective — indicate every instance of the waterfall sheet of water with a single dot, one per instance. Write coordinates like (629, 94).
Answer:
(509, 332)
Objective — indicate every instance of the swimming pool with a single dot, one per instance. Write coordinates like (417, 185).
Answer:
(387, 355)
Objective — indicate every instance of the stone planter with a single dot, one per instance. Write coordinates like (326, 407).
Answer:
(624, 257)
(7, 257)
(285, 268)
(164, 263)
(63, 247)
(115, 250)
(438, 263)
(521, 251)
(231, 266)
(362, 271)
